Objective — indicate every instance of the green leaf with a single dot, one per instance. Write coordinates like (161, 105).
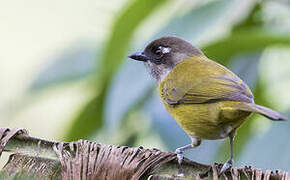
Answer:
(89, 121)
(126, 123)
(204, 22)
(206, 16)
(70, 66)
(123, 30)
(248, 40)
(254, 18)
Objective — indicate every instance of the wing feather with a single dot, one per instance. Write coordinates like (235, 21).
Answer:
(203, 82)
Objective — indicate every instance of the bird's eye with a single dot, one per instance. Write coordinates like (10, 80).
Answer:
(158, 52)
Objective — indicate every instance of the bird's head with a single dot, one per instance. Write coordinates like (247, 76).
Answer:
(162, 55)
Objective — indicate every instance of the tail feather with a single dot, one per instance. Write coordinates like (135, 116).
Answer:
(267, 112)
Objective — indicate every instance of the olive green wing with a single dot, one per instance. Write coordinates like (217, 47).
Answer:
(222, 88)
(203, 82)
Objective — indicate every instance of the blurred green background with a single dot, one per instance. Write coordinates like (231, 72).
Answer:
(65, 75)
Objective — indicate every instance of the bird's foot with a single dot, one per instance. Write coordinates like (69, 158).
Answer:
(179, 154)
(180, 151)
(226, 166)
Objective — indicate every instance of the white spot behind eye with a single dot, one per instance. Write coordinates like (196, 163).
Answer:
(166, 50)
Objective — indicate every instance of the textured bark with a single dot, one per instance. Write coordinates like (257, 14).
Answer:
(92, 161)
(37, 167)
(41, 159)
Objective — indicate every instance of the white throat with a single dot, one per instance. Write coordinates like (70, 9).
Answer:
(162, 76)
(158, 72)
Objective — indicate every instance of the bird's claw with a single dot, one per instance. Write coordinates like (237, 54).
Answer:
(226, 166)
(179, 155)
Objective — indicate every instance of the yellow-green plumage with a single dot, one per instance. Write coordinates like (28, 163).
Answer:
(199, 82)
(205, 98)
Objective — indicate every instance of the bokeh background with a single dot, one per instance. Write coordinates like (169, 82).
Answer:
(65, 75)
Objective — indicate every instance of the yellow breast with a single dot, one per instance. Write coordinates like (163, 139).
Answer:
(208, 121)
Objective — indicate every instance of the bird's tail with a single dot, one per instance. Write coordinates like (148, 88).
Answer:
(267, 112)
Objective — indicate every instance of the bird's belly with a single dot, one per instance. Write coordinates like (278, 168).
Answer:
(206, 121)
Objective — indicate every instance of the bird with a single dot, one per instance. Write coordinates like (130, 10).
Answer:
(207, 100)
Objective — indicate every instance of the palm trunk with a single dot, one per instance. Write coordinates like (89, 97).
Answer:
(41, 159)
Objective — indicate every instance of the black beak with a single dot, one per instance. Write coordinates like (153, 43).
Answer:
(139, 56)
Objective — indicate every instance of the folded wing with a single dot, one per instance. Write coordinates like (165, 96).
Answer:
(203, 82)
